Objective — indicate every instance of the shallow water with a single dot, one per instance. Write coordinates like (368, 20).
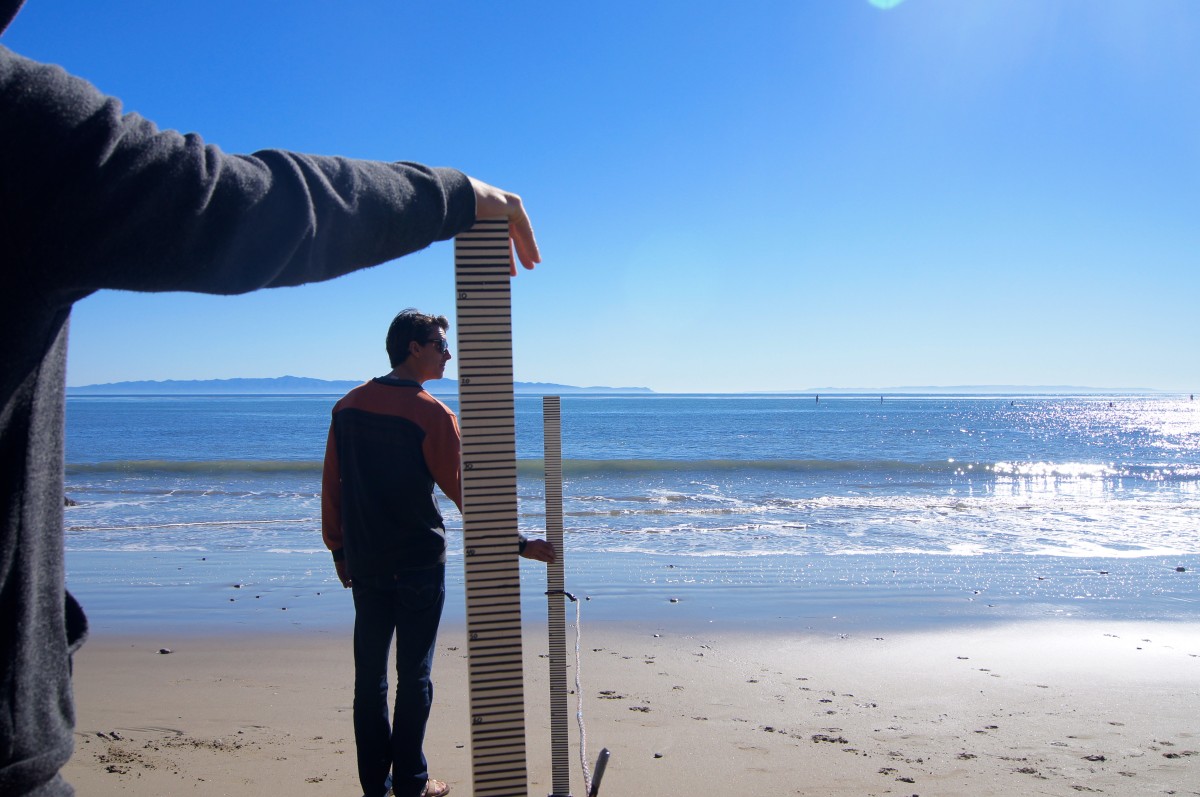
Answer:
(847, 512)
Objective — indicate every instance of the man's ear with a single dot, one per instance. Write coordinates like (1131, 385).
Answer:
(414, 349)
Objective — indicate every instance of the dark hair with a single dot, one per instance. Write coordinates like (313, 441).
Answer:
(410, 325)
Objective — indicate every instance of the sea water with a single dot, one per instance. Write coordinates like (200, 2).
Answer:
(837, 512)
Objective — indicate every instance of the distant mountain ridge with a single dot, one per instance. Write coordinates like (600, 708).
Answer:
(301, 385)
(984, 390)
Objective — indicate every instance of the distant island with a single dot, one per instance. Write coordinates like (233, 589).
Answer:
(298, 385)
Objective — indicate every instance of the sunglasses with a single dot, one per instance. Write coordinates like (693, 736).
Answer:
(442, 344)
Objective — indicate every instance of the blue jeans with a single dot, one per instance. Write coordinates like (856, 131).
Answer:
(410, 610)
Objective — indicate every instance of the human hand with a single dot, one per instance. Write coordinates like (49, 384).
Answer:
(495, 203)
(539, 550)
(343, 574)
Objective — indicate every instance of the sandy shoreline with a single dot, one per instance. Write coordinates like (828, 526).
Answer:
(1053, 707)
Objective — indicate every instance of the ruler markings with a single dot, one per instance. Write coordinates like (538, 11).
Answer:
(555, 596)
(486, 416)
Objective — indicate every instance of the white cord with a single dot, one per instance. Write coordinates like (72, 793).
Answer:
(583, 759)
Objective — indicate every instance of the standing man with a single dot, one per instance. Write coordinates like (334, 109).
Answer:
(389, 443)
(92, 198)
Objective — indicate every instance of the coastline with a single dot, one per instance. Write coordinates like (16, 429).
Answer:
(930, 601)
(259, 592)
(1044, 706)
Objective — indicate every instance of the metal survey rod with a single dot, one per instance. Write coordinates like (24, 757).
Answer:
(556, 596)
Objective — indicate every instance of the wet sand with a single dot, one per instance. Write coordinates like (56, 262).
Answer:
(1057, 707)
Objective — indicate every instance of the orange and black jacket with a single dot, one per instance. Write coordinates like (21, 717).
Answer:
(389, 443)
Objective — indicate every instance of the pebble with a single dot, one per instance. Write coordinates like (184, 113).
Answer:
(164, 651)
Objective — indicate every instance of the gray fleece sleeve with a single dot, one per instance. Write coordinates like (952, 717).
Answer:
(103, 199)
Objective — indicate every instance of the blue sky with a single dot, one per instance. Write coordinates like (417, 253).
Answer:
(728, 196)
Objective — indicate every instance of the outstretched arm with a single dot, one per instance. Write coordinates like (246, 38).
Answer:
(100, 198)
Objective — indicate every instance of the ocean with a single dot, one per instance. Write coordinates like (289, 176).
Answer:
(838, 515)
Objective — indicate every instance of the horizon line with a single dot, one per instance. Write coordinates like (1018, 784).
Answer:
(960, 389)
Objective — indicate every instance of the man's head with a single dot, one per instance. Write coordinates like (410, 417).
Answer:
(417, 344)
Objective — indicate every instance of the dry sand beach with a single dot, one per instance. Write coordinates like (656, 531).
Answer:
(1057, 707)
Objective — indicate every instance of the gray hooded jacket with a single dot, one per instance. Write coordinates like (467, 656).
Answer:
(93, 198)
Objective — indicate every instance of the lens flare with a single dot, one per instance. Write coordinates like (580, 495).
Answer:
(885, 4)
